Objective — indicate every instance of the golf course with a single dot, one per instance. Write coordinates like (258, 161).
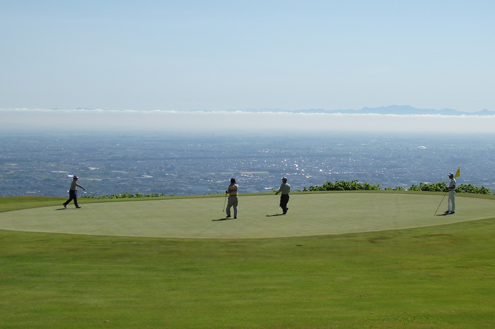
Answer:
(380, 259)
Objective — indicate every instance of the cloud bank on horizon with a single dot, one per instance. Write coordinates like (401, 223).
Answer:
(224, 122)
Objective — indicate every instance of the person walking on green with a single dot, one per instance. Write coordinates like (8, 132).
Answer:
(73, 192)
(284, 198)
(233, 201)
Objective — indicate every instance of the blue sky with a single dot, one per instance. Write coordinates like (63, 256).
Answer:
(219, 55)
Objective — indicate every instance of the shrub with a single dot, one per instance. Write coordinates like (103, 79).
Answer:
(124, 196)
(344, 186)
(430, 187)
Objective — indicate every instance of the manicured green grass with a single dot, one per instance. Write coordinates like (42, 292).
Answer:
(431, 277)
(259, 216)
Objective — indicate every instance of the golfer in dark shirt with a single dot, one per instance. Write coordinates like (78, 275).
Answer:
(284, 198)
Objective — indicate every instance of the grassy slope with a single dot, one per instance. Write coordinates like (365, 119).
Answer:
(437, 277)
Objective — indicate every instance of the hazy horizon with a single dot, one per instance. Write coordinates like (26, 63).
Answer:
(238, 121)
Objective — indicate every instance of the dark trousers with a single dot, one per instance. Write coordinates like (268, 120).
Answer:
(72, 196)
(284, 199)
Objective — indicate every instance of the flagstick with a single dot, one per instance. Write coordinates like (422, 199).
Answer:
(439, 204)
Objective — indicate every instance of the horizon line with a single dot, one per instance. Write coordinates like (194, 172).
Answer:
(367, 111)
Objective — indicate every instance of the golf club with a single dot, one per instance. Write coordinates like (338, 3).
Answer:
(224, 202)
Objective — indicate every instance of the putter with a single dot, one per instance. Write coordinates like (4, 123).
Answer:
(224, 202)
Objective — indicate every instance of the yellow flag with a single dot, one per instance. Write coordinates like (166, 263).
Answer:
(458, 173)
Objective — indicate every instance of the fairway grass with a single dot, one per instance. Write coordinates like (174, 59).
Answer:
(259, 216)
(429, 277)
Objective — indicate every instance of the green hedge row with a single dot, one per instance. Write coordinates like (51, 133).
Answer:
(125, 195)
(433, 187)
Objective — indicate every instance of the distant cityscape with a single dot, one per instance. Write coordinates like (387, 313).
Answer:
(116, 163)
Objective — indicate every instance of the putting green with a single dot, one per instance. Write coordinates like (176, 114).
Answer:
(259, 216)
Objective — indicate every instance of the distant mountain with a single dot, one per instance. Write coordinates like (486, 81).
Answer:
(392, 109)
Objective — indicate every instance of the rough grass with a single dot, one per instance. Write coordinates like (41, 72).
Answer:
(433, 277)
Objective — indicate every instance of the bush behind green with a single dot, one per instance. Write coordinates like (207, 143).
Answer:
(354, 185)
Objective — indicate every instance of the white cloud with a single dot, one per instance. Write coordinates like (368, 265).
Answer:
(241, 121)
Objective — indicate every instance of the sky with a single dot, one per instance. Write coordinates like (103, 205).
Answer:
(174, 56)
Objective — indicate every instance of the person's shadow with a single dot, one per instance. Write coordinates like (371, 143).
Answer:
(275, 215)
(221, 219)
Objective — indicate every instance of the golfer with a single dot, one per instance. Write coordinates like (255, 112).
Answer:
(73, 192)
(451, 188)
(233, 201)
(284, 198)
